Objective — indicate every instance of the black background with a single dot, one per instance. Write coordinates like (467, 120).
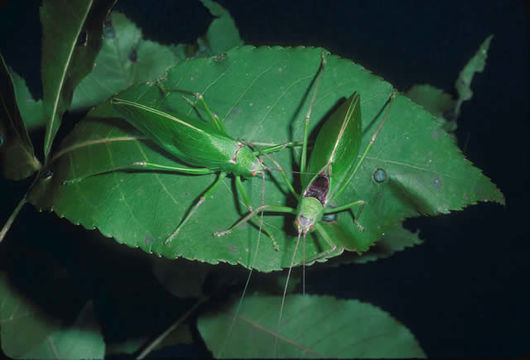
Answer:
(465, 291)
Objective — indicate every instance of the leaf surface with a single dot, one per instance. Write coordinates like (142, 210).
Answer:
(312, 327)
(260, 94)
(17, 156)
(26, 332)
(72, 31)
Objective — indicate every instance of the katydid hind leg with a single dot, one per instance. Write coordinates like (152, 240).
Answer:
(144, 166)
(213, 119)
(303, 157)
(242, 193)
(350, 207)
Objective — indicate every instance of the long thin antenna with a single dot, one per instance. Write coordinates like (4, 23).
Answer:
(253, 261)
(284, 295)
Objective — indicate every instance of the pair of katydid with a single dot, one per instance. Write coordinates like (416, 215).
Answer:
(208, 148)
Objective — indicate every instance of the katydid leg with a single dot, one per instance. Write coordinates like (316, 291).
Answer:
(147, 166)
(199, 98)
(350, 206)
(253, 213)
(303, 159)
(246, 200)
(202, 198)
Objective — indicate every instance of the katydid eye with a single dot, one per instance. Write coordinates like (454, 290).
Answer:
(379, 175)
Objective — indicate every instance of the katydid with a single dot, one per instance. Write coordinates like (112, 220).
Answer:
(204, 144)
(333, 164)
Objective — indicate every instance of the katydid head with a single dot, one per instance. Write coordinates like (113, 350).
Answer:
(310, 211)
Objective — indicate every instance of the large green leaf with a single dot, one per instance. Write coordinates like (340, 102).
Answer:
(261, 96)
(26, 332)
(311, 327)
(125, 59)
(17, 157)
(72, 31)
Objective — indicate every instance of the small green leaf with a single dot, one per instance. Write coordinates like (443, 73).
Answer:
(222, 34)
(28, 333)
(474, 65)
(72, 31)
(260, 94)
(311, 327)
(17, 156)
(125, 59)
(434, 100)
(30, 109)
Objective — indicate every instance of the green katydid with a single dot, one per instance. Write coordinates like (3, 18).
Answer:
(333, 164)
(203, 144)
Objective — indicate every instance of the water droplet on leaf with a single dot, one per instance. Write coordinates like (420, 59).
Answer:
(379, 175)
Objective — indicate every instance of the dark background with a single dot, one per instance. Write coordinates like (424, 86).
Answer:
(465, 291)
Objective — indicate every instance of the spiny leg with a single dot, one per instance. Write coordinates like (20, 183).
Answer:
(267, 149)
(303, 158)
(250, 215)
(199, 98)
(246, 200)
(147, 166)
(350, 206)
(202, 198)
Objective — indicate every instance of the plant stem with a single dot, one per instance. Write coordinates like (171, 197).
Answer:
(169, 330)
(12, 217)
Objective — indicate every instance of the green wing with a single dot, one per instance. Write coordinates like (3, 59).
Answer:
(337, 144)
